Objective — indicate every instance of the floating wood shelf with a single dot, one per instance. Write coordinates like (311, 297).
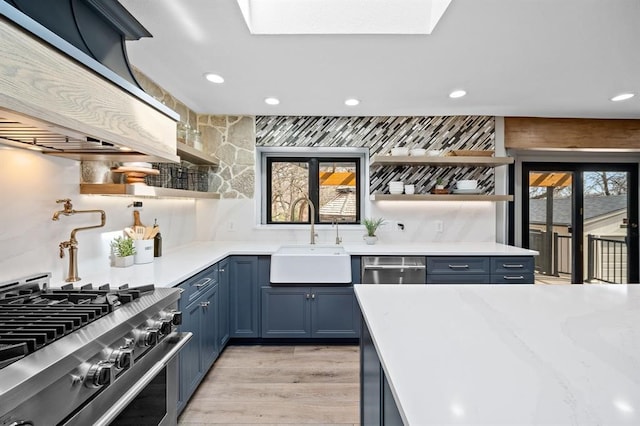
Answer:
(192, 155)
(142, 191)
(453, 161)
(440, 197)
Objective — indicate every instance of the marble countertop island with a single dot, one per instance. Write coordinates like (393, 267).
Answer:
(508, 355)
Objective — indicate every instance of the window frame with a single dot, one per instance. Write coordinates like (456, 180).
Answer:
(315, 156)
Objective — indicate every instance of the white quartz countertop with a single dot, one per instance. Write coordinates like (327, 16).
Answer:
(509, 354)
(180, 263)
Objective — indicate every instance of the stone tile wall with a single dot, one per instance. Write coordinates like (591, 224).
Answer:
(229, 139)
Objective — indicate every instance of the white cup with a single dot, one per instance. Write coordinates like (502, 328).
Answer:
(144, 251)
(409, 189)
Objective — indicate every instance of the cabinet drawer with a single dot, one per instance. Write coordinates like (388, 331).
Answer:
(510, 265)
(458, 265)
(199, 283)
(512, 278)
(459, 279)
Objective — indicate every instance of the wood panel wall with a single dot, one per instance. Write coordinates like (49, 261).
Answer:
(568, 133)
(40, 82)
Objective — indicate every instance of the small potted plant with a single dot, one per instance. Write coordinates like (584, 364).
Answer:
(372, 226)
(123, 250)
(439, 183)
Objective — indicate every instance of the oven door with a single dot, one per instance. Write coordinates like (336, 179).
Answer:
(146, 394)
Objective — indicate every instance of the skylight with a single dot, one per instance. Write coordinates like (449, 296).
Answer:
(342, 16)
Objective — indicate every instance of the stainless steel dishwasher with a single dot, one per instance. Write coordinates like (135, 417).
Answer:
(394, 270)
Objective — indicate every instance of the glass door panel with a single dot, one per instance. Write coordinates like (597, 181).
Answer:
(583, 220)
(605, 226)
(550, 224)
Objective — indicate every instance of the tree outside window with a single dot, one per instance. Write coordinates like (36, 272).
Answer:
(332, 184)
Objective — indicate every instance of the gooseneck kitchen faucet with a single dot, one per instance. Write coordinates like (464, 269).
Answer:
(72, 244)
(312, 237)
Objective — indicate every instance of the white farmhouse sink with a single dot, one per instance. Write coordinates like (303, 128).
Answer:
(315, 263)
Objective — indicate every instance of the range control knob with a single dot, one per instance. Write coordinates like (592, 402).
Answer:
(175, 317)
(164, 326)
(99, 374)
(149, 337)
(121, 358)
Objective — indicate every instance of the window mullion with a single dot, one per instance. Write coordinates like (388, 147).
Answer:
(314, 186)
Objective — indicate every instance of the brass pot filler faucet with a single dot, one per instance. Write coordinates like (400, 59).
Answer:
(72, 244)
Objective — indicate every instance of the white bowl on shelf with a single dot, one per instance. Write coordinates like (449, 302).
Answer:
(417, 152)
(434, 152)
(467, 184)
(399, 151)
(396, 191)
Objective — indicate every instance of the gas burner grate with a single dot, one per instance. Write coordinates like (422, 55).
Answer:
(31, 318)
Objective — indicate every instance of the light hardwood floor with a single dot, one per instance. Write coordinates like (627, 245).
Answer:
(279, 385)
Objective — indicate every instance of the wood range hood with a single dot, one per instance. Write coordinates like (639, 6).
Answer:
(57, 99)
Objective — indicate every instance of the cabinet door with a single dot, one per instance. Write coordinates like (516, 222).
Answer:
(223, 304)
(334, 312)
(355, 269)
(457, 265)
(189, 358)
(244, 296)
(286, 312)
(517, 265)
(208, 305)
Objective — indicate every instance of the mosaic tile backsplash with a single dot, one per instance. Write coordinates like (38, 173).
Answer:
(380, 134)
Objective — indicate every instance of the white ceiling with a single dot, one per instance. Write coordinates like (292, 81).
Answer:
(548, 58)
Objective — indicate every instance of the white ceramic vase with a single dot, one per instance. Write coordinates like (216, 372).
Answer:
(370, 239)
(123, 262)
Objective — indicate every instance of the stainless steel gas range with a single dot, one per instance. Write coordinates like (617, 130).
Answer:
(88, 355)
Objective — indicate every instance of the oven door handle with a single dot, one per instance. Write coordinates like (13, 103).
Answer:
(130, 395)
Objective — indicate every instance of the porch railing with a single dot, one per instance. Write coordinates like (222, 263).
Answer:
(607, 259)
(606, 256)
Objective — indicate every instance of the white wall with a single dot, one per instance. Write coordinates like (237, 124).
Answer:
(235, 219)
(31, 182)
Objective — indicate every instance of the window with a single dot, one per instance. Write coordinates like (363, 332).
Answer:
(332, 184)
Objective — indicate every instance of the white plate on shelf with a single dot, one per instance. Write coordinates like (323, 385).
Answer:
(468, 191)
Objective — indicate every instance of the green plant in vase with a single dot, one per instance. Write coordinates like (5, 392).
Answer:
(123, 250)
(372, 225)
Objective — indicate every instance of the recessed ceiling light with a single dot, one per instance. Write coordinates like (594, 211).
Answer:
(272, 101)
(622, 97)
(125, 148)
(214, 78)
(457, 94)
(351, 102)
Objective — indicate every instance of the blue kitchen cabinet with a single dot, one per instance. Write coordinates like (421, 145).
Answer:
(199, 304)
(244, 294)
(286, 312)
(480, 270)
(310, 312)
(512, 270)
(223, 304)
(334, 312)
(377, 404)
(355, 269)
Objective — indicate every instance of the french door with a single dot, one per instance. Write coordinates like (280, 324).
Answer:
(583, 219)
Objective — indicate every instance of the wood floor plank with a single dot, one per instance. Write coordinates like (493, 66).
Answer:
(286, 412)
(276, 392)
(311, 385)
(282, 375)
